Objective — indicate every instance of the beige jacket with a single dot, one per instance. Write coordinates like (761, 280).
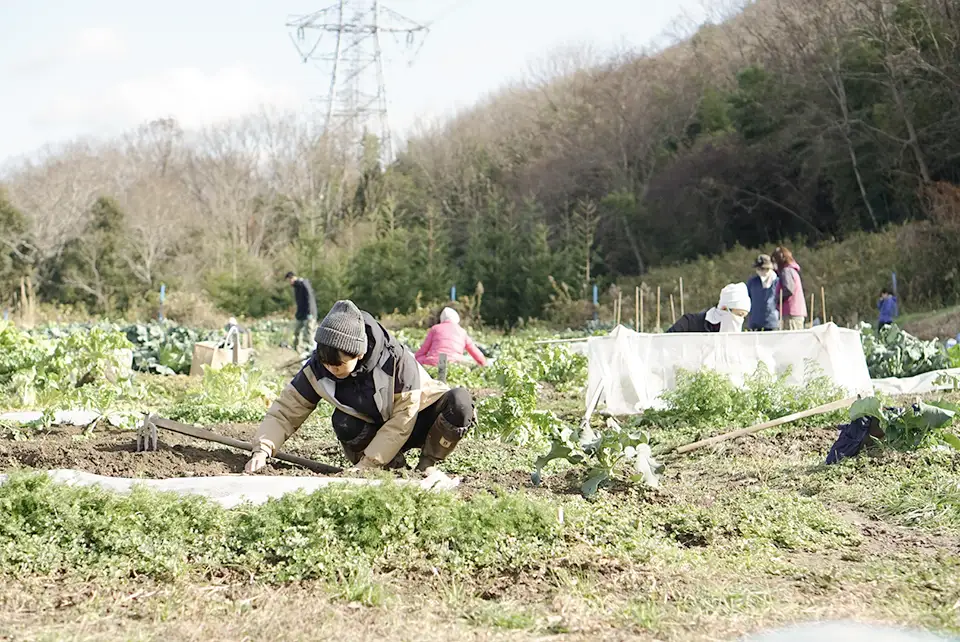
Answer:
(403, 389)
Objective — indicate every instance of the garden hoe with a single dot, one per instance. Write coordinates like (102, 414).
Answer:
(147, 441)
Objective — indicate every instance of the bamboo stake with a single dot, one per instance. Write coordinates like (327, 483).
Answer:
(803, 414)
(658, 309)
(681, 296)
(23, 300)
(641, 311)
(813, 304)
(636, 309)
(619, 306)
(31, 299)
(673, 311)
(823, 304)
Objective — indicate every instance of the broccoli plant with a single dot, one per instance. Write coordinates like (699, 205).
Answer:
(605, 455)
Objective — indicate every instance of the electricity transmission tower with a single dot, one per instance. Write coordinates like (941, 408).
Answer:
(345, 40)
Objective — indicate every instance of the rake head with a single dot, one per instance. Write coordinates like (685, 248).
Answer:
(146, 436)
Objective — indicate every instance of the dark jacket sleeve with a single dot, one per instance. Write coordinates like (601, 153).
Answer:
(684, 324)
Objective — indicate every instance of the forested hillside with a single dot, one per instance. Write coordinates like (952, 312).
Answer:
(804, 120)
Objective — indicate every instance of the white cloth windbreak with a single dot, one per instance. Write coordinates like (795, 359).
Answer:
(449, 314)
(631, 370)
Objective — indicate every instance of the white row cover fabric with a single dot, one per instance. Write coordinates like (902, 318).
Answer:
(232, 490)
(60, 417)
(918, 385)
(633, 369)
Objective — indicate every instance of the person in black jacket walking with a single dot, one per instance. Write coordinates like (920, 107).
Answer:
(306, 316)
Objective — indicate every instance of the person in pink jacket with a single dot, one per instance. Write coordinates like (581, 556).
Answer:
(789, 290)
(447, 337)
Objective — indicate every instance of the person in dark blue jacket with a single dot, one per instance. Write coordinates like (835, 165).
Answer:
(762, 288)
(887, 307)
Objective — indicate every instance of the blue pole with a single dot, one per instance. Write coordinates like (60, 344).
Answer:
(894, 275)
(163, 297)
(596, 301)
(453, 293)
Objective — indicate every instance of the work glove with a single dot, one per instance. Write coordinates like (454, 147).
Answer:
(256, 462)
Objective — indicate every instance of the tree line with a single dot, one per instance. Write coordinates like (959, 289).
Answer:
(805, 120)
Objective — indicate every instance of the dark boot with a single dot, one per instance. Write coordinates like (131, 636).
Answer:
(441, 440)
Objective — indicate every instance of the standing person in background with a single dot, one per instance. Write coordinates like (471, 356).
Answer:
(763, 301)
(887, 307)
(447, 337)
(306, 315)
(790, 287)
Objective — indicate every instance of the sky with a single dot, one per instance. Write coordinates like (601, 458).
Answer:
(100, 67)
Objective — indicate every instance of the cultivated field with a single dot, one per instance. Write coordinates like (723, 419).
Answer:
(753, 533)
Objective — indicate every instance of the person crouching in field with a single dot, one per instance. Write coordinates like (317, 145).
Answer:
(447, 337)
(727, 316)
(384, 402)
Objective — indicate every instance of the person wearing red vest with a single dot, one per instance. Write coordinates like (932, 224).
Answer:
(793, 310)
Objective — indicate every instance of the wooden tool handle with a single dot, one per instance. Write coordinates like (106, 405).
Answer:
(819, 410)
(203, 433)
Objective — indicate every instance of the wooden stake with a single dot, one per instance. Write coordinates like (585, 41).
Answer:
(823, 304)
(658, 309)
(673, 311)
(813, 300)
(619, 306)
(803, 414)
(641, 311)
(23, 300)
(681, 296)
(636, 309)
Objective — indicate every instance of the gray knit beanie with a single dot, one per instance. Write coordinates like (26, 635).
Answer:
(343, 329)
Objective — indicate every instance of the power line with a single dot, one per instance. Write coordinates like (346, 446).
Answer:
(348, 37)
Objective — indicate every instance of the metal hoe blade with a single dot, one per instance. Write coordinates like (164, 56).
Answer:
(147, 436)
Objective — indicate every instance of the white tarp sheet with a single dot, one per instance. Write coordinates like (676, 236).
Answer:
(633, 369)
(233, 490)
(60, 417)
(919, 384)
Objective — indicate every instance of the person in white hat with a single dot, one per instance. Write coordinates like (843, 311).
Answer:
(727, 316)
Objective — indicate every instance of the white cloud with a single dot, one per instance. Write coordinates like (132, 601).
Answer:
(86, 45)
(192, 96)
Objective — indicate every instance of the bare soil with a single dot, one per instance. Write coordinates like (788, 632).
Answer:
(112, 452)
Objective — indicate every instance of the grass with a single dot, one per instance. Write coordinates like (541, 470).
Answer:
(750, 534)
